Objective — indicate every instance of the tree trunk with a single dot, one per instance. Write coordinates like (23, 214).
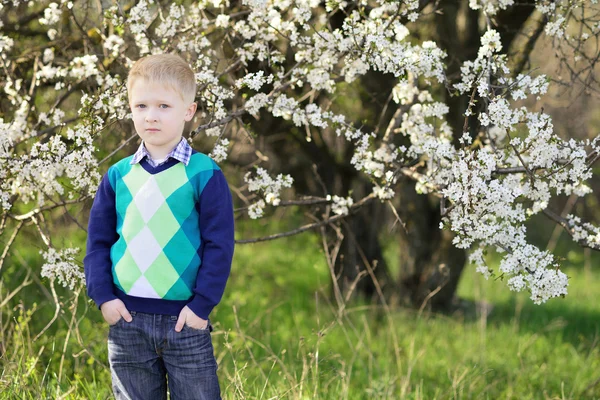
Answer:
(430, 265)
(360, 268)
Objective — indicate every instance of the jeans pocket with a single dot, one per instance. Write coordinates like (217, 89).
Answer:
(121, 320)
(208, 328)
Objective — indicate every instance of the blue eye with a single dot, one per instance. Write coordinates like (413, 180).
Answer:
(141, 106)
(164, 106)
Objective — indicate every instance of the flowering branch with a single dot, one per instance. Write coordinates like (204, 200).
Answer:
(289, 62)
(572, 229)
(352, 209)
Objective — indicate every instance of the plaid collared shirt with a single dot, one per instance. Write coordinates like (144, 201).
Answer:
(182, 152)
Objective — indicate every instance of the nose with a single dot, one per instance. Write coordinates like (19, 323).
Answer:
(151, 116)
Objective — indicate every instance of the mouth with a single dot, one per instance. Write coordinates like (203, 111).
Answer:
(152, 130)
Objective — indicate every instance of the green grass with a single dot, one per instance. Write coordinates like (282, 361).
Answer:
(279, 336)
(520, 350)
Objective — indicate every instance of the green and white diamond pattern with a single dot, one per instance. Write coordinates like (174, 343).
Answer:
(149, 224)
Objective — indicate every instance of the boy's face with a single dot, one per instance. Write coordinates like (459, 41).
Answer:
(159, 115)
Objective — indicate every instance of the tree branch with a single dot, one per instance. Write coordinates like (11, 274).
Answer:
(523, 55)
(565, 224)
(308, 227)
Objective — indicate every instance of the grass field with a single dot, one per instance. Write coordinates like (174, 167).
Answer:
(278, 337)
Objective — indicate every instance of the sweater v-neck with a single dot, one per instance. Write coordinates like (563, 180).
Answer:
(155, 170)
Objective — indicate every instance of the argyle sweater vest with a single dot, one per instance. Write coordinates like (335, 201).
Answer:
(156, 255)
(161, 222)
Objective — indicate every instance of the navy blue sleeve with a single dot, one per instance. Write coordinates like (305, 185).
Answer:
(217, 232)
(102, 234)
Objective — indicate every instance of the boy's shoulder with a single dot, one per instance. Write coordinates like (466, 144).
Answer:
(124, 163)
(120, 168)
(202, 162)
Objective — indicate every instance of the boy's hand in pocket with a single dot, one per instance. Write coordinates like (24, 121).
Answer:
(114, 310)
(187, 317)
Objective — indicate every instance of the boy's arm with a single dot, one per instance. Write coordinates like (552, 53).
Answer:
(102, 234)
(217, 230)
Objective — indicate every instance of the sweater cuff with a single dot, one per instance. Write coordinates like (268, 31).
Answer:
(103, 295)
(199, 306)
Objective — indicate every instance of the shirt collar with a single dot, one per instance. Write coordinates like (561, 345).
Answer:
(182, 152)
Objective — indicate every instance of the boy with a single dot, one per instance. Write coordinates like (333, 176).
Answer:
(160, 244)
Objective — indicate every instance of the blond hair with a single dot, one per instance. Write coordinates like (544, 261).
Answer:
(168, 69)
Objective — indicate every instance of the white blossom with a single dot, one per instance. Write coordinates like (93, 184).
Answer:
(214, 131)
(405, 92)
(139, 19)
(254, 80)
(256, 210)
(266, 185)
(556, 27)
(490, 44)
(477, 257)
(51, 14)
(490, 7)
(6, 44)
(256, 102)
(51, 33)
(340, 205)
(113, 44)
(84, 67)
(222, 21)
(61, 265)
(383, 193)
(168, 26)
(583, 232)
(545, 6)
(219, 152)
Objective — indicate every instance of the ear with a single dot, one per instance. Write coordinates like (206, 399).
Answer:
(191, 110)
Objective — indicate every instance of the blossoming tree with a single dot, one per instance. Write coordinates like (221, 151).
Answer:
(272, 82)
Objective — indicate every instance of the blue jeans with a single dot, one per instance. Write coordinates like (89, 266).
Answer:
(146, 355)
